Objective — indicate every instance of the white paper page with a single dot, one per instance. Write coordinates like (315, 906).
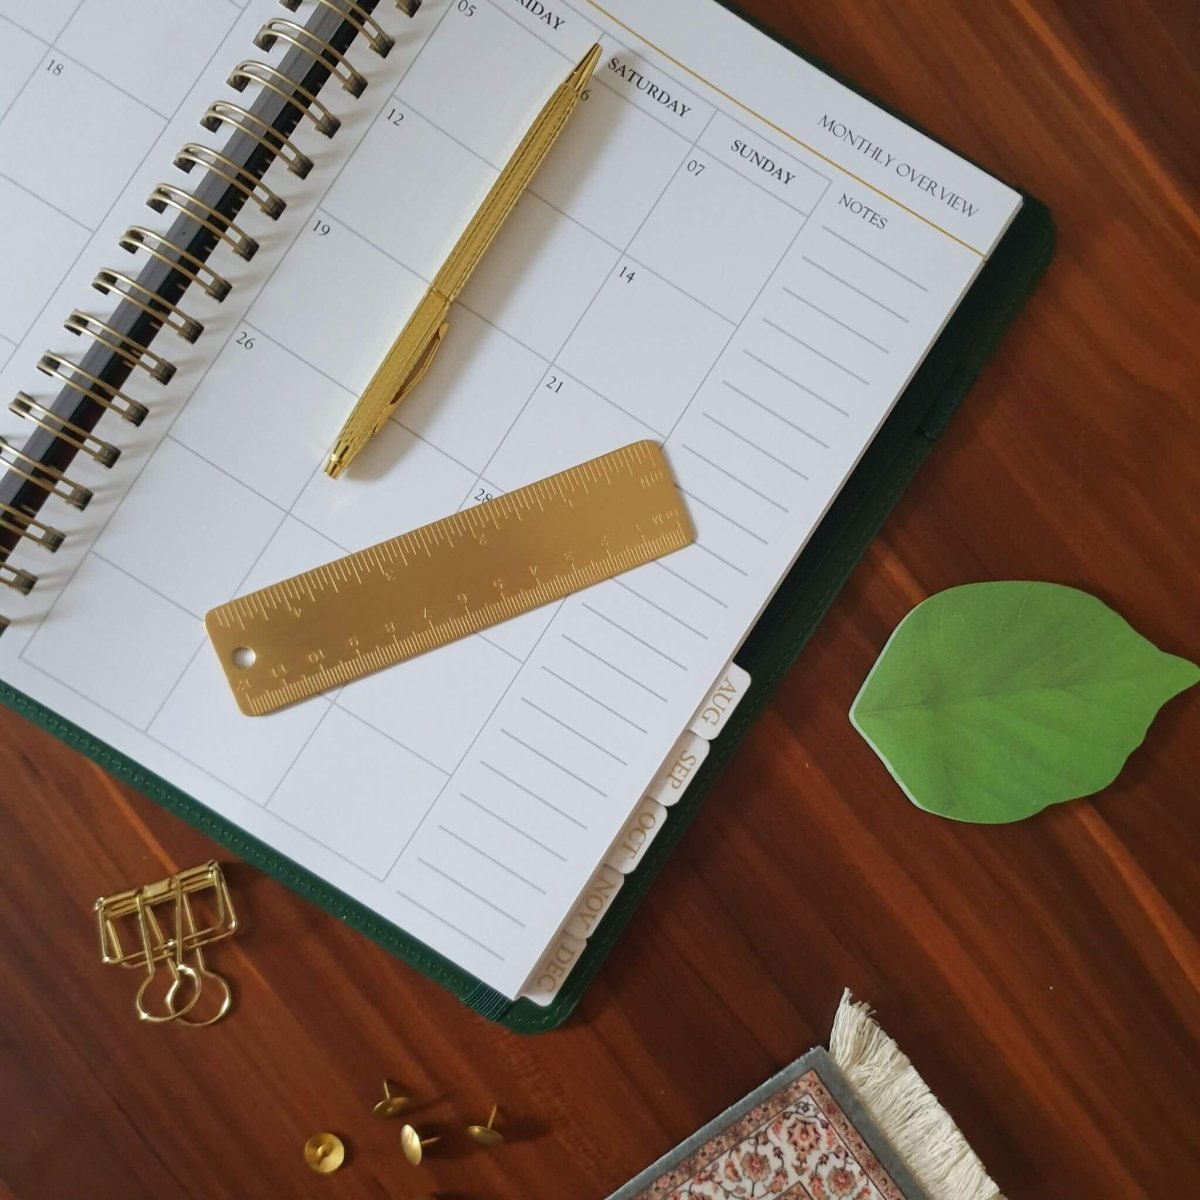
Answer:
(720, 254)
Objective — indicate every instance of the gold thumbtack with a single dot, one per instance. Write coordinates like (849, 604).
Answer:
(486, 1135)
(413, 1144)
(324, 1152)
(392, 1104)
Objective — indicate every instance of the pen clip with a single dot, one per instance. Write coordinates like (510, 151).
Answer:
(418, 373)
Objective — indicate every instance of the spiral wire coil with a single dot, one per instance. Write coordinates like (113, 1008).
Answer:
(57, 438)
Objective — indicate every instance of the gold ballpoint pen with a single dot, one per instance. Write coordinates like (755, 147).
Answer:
(413, 350)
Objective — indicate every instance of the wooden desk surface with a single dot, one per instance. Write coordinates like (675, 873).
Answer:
(1042, 975)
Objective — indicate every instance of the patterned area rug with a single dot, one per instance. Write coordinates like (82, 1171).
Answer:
(795, 1138)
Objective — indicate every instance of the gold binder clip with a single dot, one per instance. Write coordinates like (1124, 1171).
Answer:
(153, 305)
(187, 981)
(125, 348)
(288, 90)
(239, 241)
(138, 237)
(23, 525)
(353, 12)
(66, 431)
(93, 387)
(254, 127)
(193, 154)
(50, 479)
(326, 53)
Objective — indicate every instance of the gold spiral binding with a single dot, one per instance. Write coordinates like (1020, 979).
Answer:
(163, 311)
(94, 388)
(49, 479)
(265, 76)
(66, 431)
(20, 581)
(348, 10)
(138, 237)
(193, 154)
(167, 194)
(23, 525)
(128, 349)
(125, 348)
(254, 127)
(283, 30)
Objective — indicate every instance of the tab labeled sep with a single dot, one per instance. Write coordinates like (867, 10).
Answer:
(713, 715)
(689, 752)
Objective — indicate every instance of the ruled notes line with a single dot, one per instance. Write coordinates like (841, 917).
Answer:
(533, 795)
(515, 828)
(458, 883)
(758, 537)
(484, 854)
(762, 362)
(611, 667)
(833, 362)
(641, 641)
(691, 583)
(857, 290)
(462, 933)
(812, 437)
(755, 446)
(858, 333)
(713, 554)
(554, 763)
(736, 478)
(588, 696)
(571, 729)
(874, 258)
(666, 612)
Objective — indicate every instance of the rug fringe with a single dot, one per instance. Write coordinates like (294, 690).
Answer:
(904, 1108)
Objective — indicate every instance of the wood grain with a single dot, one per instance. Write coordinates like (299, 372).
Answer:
(1043, 975)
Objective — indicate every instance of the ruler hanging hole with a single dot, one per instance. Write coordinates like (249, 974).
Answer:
(243, 658)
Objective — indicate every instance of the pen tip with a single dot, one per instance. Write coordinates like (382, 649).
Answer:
(587, 64)
(338, 460)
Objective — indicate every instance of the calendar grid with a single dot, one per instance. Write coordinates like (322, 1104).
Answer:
(53, 298)
(285, 512)
(62, 212)
(69, 267)
(48, 42)
(662, 277)
(504, 695)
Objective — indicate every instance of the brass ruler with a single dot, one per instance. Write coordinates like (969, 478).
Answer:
(444, 581)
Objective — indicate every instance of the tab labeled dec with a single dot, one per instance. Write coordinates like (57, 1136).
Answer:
(543, 985)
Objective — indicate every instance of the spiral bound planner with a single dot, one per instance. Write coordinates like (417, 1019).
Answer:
(217, 215)
(226, 181)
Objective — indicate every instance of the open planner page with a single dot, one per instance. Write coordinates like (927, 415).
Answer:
(727, 252)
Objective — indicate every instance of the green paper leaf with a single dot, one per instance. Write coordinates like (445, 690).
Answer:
(993, 700)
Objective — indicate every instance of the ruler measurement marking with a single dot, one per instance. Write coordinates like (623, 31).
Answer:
(365, 611)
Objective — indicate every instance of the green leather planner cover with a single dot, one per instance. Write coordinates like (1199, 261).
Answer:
(860, 509)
